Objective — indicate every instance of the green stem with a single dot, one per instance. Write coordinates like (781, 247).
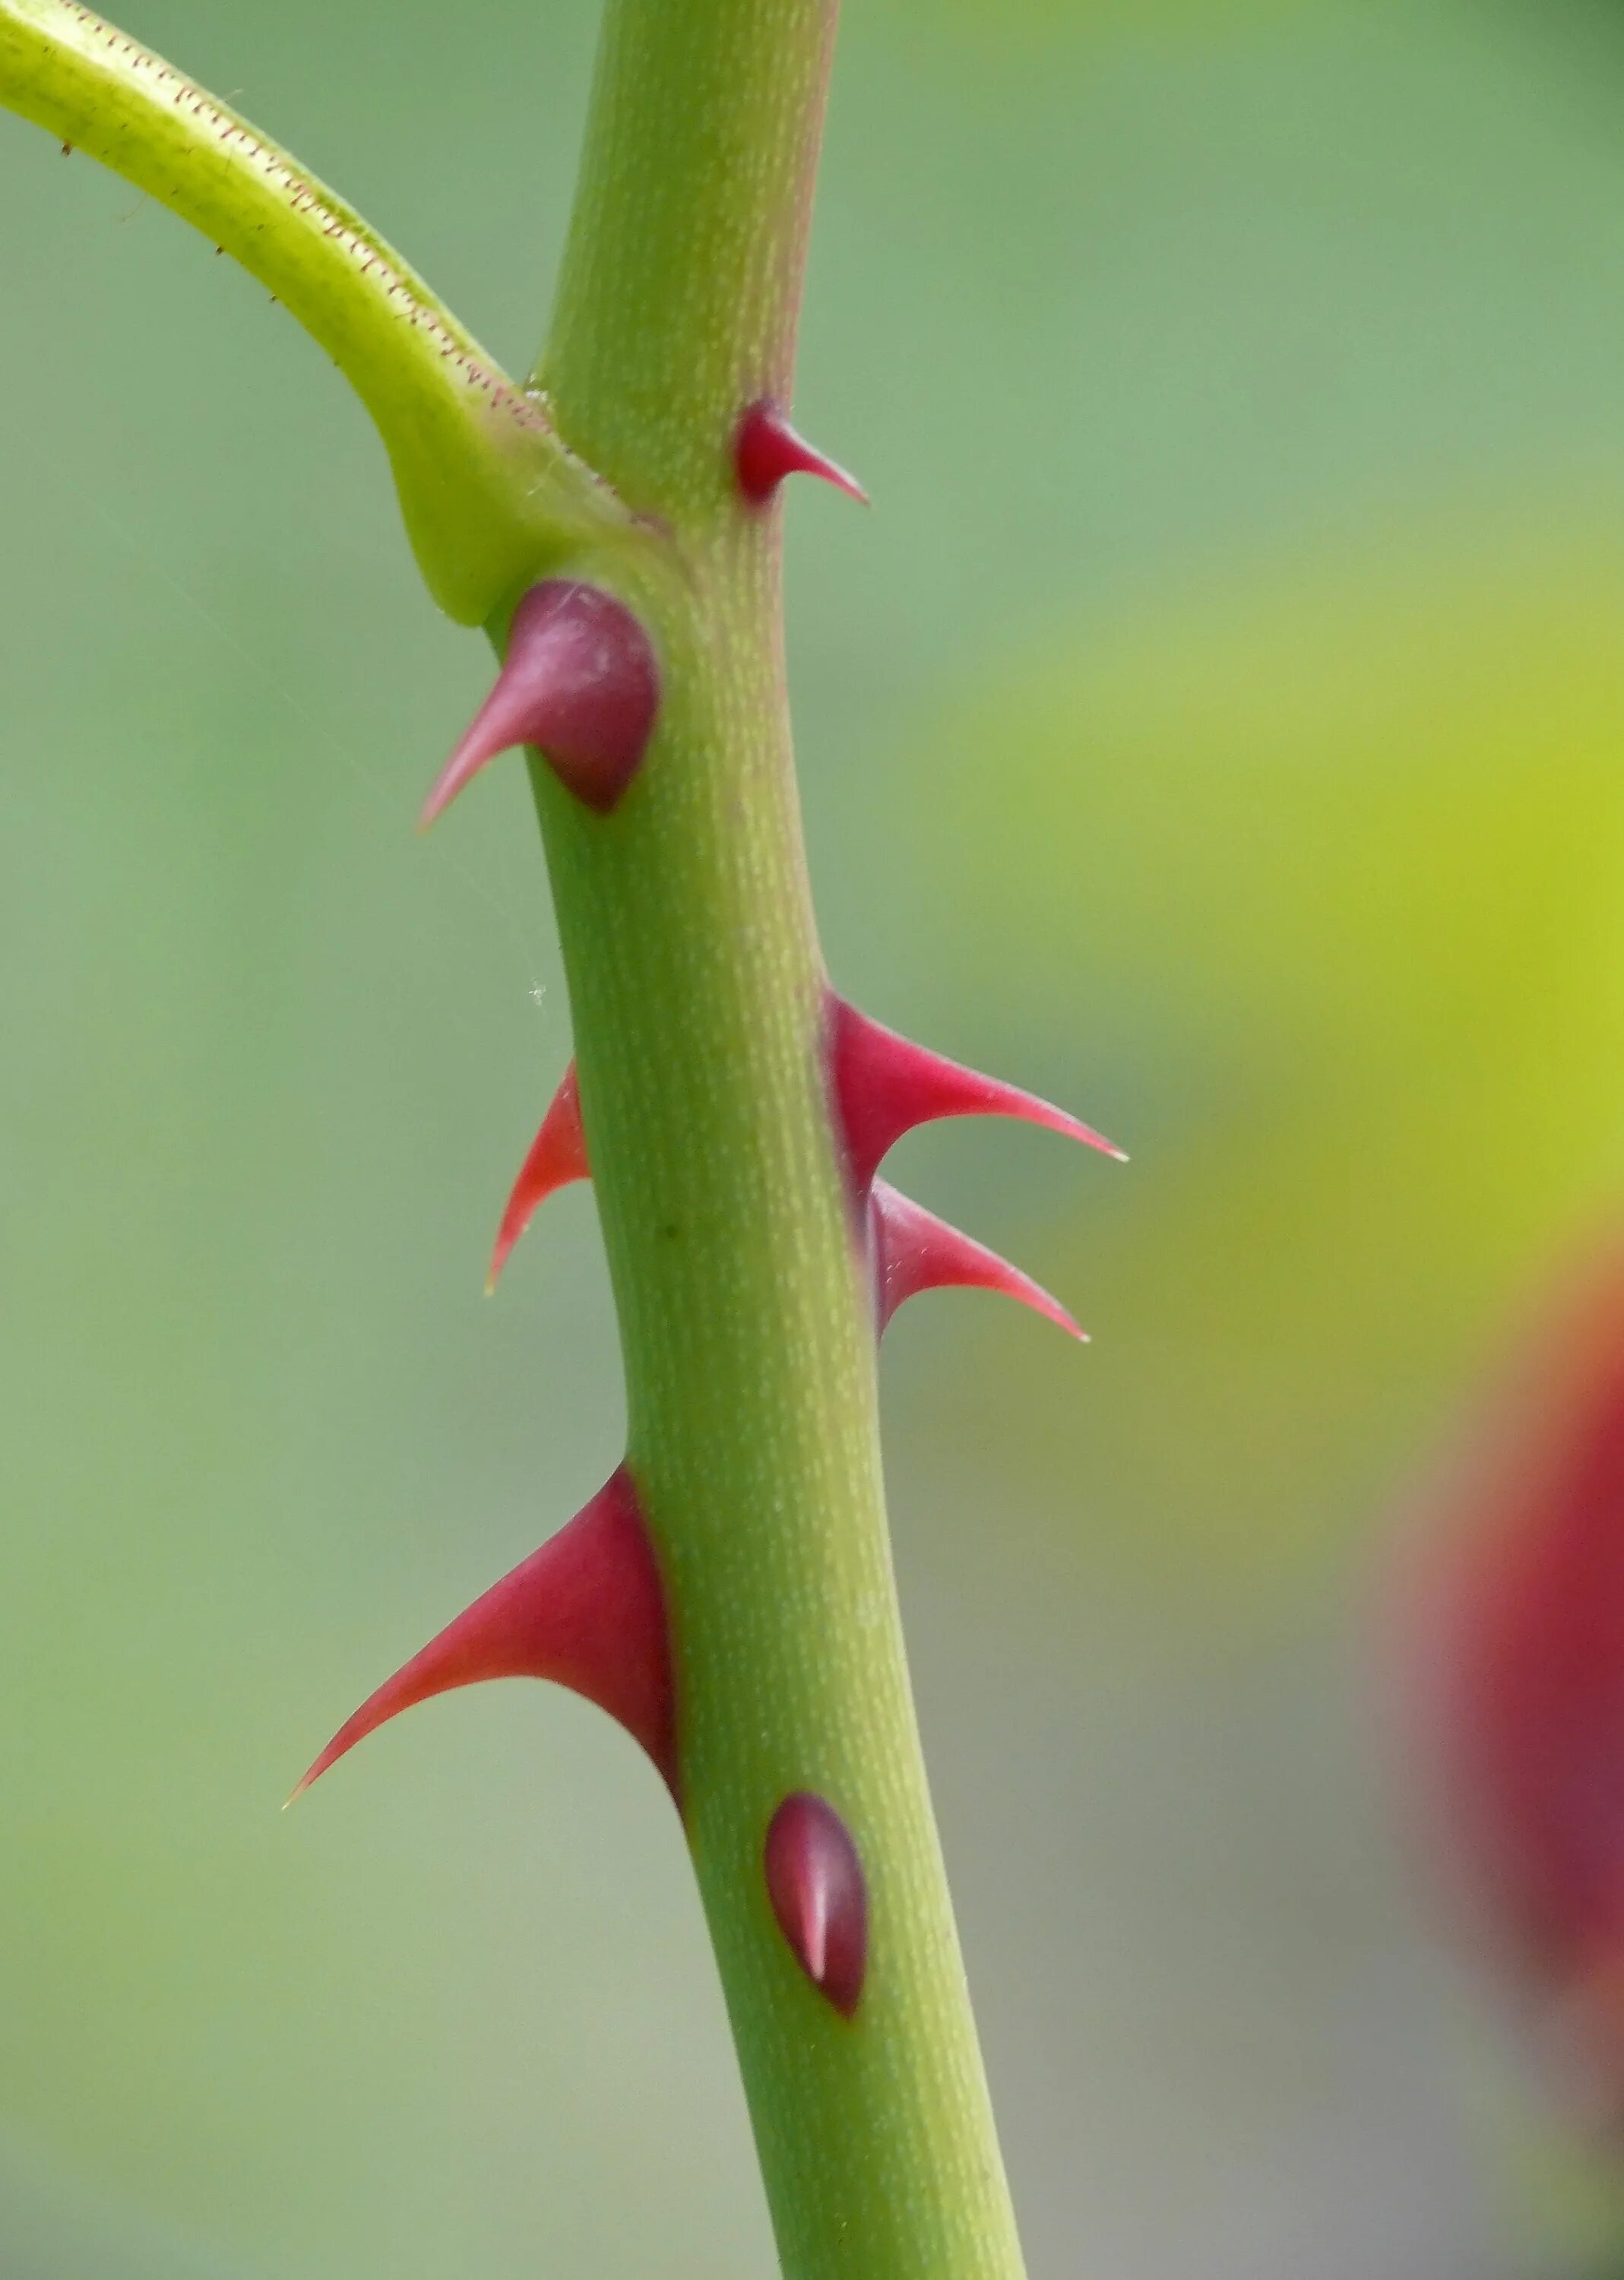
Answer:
(747, 1322)
(697, 989)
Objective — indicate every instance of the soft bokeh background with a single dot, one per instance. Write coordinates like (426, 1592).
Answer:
(1218, 723)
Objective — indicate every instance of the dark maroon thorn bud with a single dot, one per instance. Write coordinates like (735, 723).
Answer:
(587, 1611)
(914, 1251)
(558, 1156)
(884, 1086)
(579, 681)
(766, 449)
(815, 1883)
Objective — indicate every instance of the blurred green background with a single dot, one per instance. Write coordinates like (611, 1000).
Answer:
(1219, 724)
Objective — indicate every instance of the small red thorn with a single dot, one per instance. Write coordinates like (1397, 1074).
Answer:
(579, 681)
(558, 1156)
(884, 1085)
(914, 1251)
(815, 1882)
(766, 449)
(587, 1611)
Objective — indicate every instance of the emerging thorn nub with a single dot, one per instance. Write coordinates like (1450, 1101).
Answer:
(766, 449)
(579, 681)
(815, 1882)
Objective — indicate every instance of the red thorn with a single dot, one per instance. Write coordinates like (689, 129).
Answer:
(815, 1882)
(914, 1251)
(558, 1156)
(587, 1611)
(766, 449)
(884, 1086)
(579, 681)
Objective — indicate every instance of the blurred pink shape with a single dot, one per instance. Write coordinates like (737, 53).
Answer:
(1515, 1597)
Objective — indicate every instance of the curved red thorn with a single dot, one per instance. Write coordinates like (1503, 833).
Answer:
(766, 449)
(884, 1085)
(815, 1883)
(914, 1251)
(587, 1611)
(558, 1156)
(579, 681)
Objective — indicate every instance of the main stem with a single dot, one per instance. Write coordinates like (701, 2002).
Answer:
(746, 1318)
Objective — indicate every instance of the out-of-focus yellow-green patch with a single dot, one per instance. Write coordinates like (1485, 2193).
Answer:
(1322, 874)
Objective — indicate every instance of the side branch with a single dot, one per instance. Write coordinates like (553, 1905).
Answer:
(490, 492)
